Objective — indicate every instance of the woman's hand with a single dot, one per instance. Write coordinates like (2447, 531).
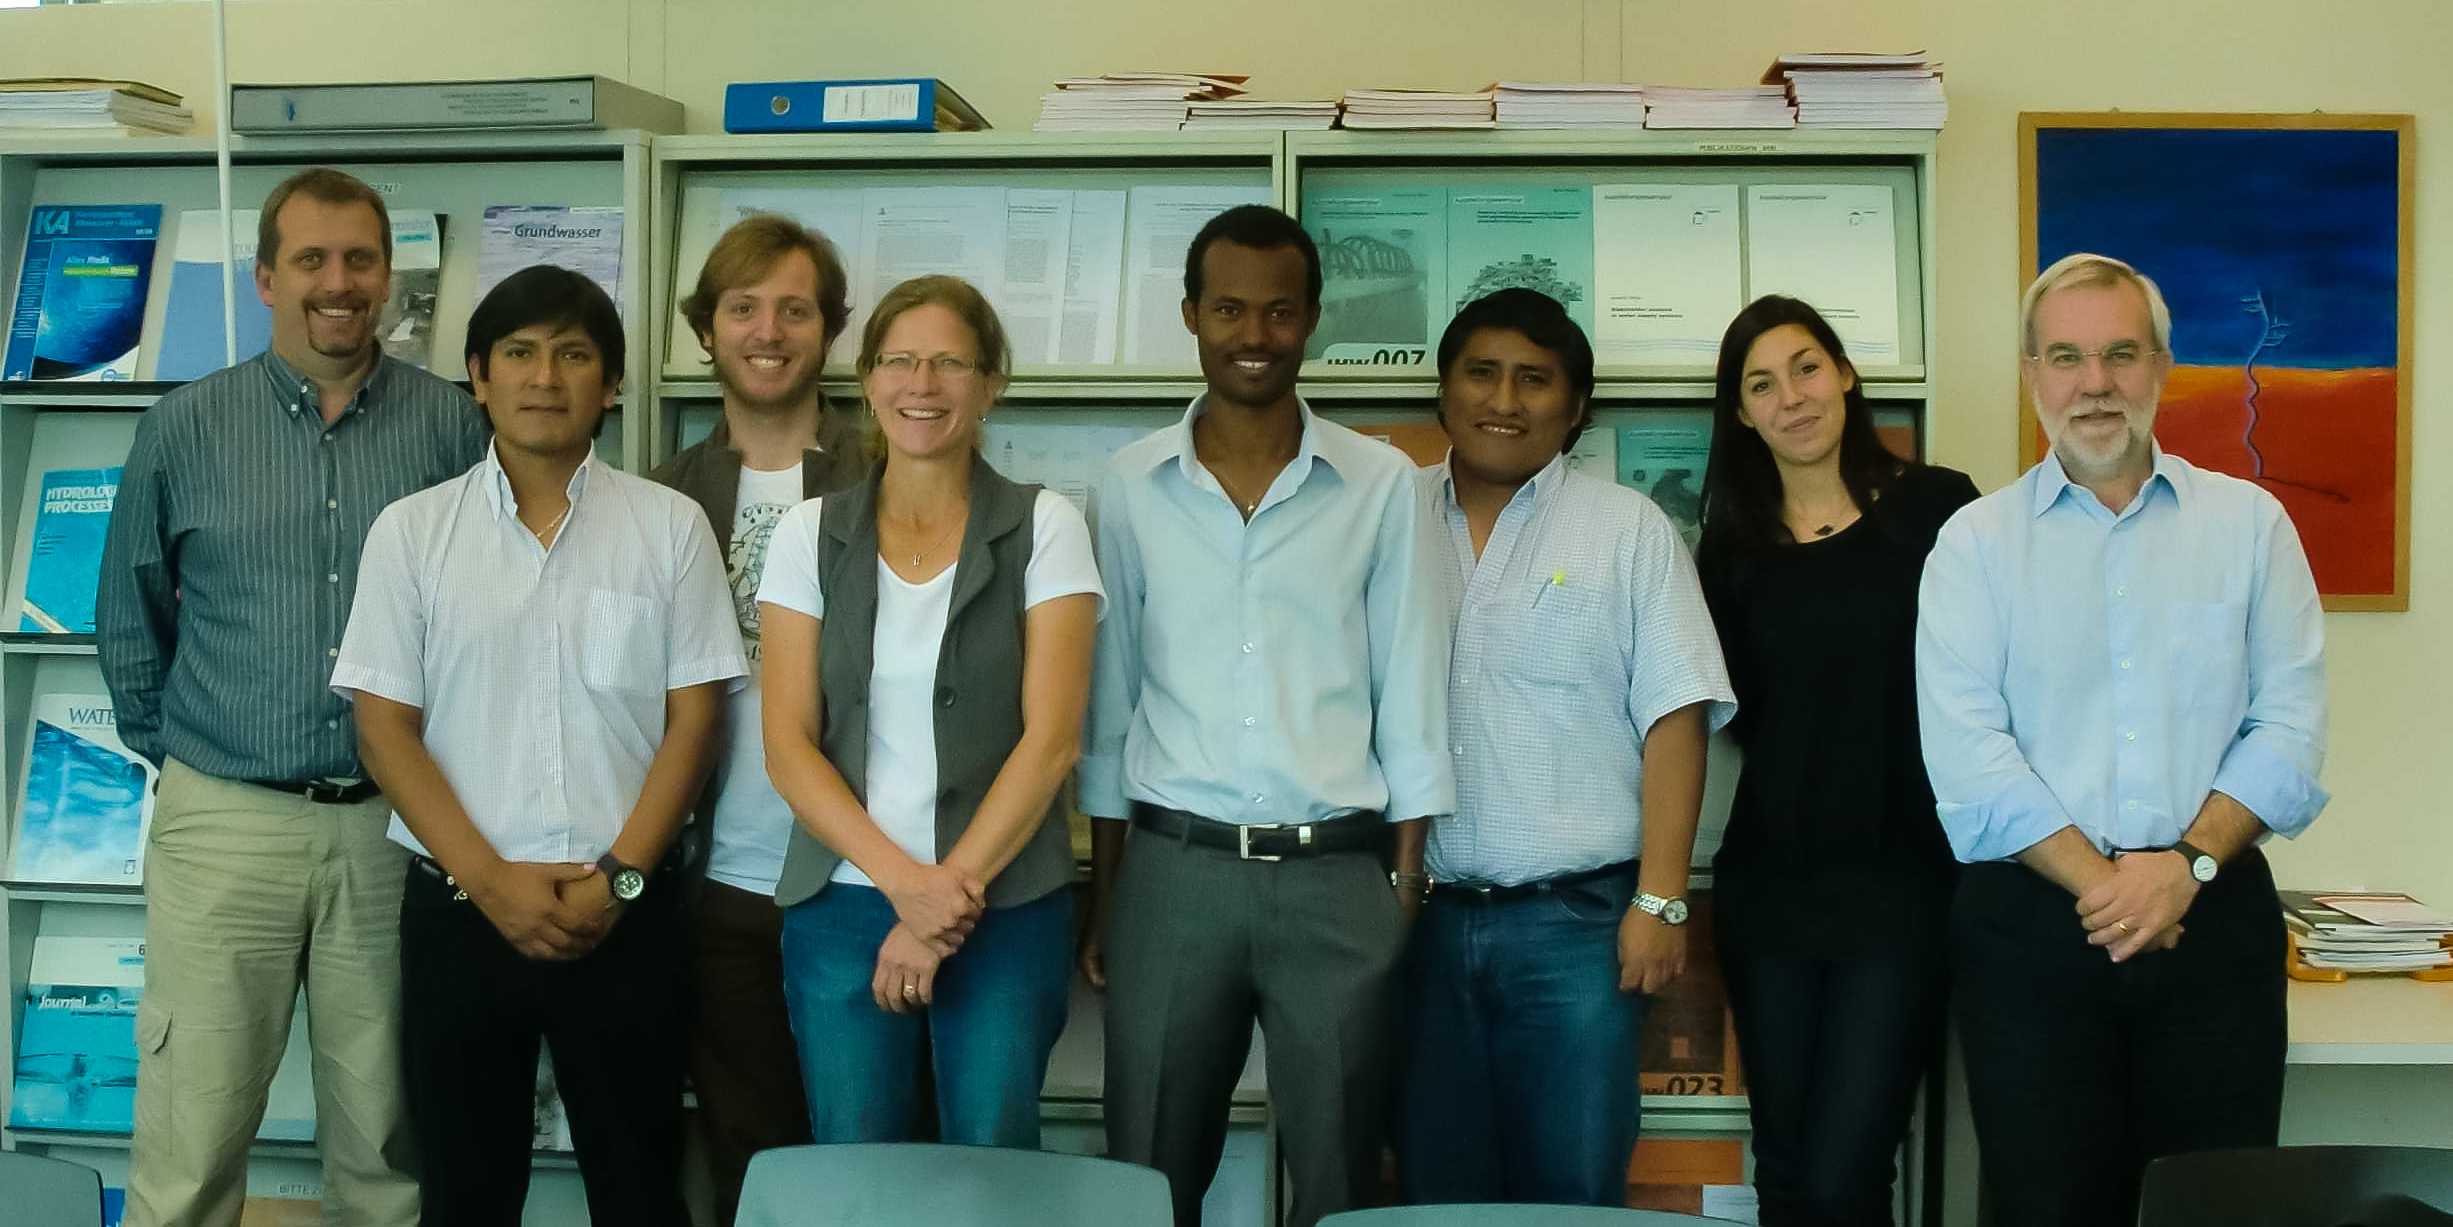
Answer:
(938, 903)
(906, 979)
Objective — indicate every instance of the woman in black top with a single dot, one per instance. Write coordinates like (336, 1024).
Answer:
(1833, 881)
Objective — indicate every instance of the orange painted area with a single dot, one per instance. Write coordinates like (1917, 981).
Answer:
(2328, 442)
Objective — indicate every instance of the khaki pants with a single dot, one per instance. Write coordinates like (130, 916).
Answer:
(248, 891)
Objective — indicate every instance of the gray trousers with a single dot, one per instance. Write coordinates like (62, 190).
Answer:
(1199, 944)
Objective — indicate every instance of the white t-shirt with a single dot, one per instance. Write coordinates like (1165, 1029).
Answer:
(902, 772)
(752, 823)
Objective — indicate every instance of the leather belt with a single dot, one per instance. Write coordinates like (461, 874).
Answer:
(1266, 841)
(1472, 893)
(325, 792)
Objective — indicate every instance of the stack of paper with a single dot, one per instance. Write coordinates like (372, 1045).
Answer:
(77, 103)
(1569, 104)
(1744, 106)
(2362, 932)
(1130, 101)
(1852, 90)
(1418, 108)
(1262, 113)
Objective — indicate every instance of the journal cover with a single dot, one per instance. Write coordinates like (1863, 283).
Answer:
(65, 564)
(88, 799)
(81, 299)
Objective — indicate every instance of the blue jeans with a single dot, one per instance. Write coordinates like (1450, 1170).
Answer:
(998, 1006)
(1518, 1050)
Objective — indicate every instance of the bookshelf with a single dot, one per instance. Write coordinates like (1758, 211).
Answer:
(47, 426)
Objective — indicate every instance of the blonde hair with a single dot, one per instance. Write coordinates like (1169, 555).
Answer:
(2088, 269)
(995, 357)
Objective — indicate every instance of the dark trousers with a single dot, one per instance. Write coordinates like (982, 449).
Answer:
(1519, 1051)
(741, 1036)
(1834, 1048)
(1199, 945)
(2080, 1071)
(473, 1011)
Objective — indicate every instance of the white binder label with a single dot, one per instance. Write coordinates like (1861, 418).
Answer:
(846, 104)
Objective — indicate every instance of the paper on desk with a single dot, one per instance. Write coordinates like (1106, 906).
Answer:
(2389, 911)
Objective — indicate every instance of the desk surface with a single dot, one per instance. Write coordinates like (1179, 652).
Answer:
(2371, 1020)
(1078, 1066)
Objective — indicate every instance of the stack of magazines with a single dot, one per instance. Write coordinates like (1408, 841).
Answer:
(2337, 931)
(1418, 108)
(1742, 106)
(1845, 89)
(80, 104)
(1569, 104)
(1229, 113)
(1131, 101)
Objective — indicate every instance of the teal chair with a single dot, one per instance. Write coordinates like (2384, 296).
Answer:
(891, 1184)
(1513, 1216)
(45, 1192)
(2300, 1186)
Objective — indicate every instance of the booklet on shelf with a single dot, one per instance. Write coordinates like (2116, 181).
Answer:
(64, 565)
(88, 798)
(76, 1036)
(80, 308)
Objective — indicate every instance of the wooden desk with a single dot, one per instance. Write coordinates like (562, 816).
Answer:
(2371, 1020)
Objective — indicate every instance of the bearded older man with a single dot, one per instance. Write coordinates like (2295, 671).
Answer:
(2121, 691)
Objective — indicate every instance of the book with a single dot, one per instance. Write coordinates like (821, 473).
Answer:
(586, 239)
(191, 344)
(64, 566)
(80, 307)
(530, 102)
(88, 798)
(875, 104)
(76, 1035)
(79, 103)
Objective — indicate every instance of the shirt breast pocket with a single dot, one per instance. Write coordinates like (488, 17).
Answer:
(621, 644)
(2209, 643)
(1550, 641)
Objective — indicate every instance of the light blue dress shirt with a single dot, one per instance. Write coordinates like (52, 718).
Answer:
(1288, 669)
(2077, 667)
(1579, 625)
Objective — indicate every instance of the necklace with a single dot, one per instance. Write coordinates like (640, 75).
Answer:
(544, 535)
(953, 524)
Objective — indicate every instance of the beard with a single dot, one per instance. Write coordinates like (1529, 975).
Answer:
(797, 393)
(2092, 460)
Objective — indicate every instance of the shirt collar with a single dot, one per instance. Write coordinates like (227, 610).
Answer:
(2052, 481)
(1314, 444)
(498, 483)
(1536, 489)
(298, 391)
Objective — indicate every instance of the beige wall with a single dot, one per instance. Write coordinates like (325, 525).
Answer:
(2388, 826)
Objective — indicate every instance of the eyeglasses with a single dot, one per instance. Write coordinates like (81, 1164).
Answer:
(2119, 358)
(905, 365)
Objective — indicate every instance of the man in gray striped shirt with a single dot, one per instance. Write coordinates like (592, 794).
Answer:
(227, 576)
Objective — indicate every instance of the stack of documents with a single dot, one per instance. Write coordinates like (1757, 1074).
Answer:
(1570, 104)
(1418, 108)
(1131, 101)
(1854, 90)
(2366, 932)
(1261, 113)
(63, 103)
(1744, 106)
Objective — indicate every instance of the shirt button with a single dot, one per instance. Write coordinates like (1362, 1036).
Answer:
(2121, 591)
(1248, 649)
(332, 578)
(2129, 805)
(332, 651)
(1258, 798)
(1458, 751)
(333, 504)
(2124, 662)
(1249, 721)
(2131, 735)
(332, 724)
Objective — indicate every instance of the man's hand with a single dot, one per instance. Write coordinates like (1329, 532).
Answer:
(524, 902)
(938, 903)
(2131, 911)
(591, 899)
(1651, 954)
(1413, 890)
(906, 977)
(1091, 956)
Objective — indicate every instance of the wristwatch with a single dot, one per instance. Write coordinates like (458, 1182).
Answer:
(1670, 911)
(627, 883)
(2201, 866)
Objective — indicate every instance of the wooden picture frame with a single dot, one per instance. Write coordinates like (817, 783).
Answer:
(2284, 245)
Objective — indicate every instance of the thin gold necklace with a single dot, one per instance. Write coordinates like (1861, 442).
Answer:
(960, 515)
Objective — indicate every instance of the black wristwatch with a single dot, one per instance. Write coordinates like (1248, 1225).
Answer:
(627, 883)
(2201, 866)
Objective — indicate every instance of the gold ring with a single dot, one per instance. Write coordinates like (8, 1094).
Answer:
(911, 989)
(2123, 926)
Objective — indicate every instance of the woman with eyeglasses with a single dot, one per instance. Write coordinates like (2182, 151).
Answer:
(1833, 881)
(927, 658)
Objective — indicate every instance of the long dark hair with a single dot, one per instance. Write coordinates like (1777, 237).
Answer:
(1742, 495)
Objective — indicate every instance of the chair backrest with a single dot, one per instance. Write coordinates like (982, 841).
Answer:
(927, 1185)
(1514, 1216)
(2296, 1186)
(47, 1192)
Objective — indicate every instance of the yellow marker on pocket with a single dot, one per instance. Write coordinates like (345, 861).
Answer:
(1557, 579)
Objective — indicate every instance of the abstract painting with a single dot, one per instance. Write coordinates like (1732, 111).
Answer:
(2282, 244)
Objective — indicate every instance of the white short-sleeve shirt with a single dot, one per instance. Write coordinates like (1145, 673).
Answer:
(902, 774)
(542, 672)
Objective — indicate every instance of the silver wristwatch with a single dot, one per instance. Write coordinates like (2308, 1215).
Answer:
(1670, 911)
